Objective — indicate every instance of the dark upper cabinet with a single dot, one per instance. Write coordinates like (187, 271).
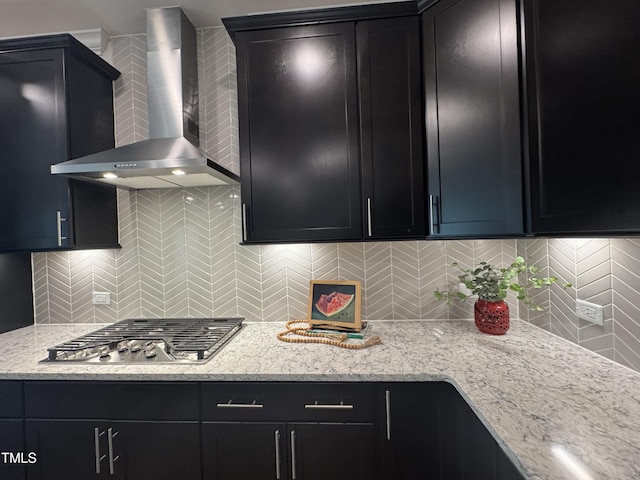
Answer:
(471, 78)
(584, 106)
(298, 105)
(57, 104)
(391, 127)
(330, 124)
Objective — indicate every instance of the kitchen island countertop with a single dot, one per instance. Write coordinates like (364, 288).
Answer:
(560, 411)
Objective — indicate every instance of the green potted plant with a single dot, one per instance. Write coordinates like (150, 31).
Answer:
(491, 284)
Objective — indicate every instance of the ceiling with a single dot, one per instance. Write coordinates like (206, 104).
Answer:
(124, 17)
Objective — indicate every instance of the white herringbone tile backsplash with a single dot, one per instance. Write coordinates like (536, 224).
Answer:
(181, 256)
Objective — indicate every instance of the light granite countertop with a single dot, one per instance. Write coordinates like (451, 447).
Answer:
(560, 411)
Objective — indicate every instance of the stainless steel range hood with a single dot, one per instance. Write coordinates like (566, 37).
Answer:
(171, 157)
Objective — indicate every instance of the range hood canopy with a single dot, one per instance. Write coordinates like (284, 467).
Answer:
(171, 157)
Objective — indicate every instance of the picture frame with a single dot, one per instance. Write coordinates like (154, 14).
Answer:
(335, 304)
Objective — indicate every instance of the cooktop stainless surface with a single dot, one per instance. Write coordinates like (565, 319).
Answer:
(153, 341)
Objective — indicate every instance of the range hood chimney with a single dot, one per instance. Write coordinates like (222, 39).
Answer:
(171, 158)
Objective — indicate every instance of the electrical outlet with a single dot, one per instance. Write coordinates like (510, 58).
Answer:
(590, 311)
(101, 298)
(462, 288)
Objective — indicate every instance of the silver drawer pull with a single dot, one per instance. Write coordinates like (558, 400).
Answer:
(293, 454)
(240, 405)
(112, 459)
(244, 222)
(387, 408)
(277, 444)
(329, 407)
(369, 231)
(96, 440)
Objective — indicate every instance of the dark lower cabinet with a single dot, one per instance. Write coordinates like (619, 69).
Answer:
(68, 449)
(113, 430)
(288, 431)
(337, 451)
(153, 450)
(471, 452)
(584, 104)
(100, 449)
(237, 451)
(411, 431)
(14, 456)
(472, 111)
(246, 431)
(430, 432)
(305, 451)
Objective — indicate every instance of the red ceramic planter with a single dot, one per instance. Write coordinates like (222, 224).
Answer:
(491, 317)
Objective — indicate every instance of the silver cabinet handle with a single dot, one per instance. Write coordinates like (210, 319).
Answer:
(432, 227)
(277, 442)
(369, 231)
(293, 454)
(59, 221)
(387, 406)
(96, 441)
(244, 222)
(112, 460)
(340, 406)
(239, 405)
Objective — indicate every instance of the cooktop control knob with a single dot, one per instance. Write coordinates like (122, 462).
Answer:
(150, 350)
(103, 351)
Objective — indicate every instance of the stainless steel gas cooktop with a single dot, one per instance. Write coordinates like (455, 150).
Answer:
(153, 341)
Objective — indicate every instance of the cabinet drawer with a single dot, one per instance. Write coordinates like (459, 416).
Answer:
(335, 402)
(11, 399)
(112, 400)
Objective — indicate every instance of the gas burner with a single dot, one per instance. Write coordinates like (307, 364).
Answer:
(154, 341)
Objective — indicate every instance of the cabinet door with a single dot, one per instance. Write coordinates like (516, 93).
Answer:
(319, 451)
(94, 219)
(67, 449)
(391, 127)
(584, 104)
(14, 456)
(244, 451)
(473, 118)
(411, 430)
(469, 449)
(33, 136)
(299, 134)
(152, 450)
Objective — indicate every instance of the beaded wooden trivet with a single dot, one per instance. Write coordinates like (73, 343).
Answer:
(336, 339)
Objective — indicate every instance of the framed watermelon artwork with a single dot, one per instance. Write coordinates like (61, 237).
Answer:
(335, 304)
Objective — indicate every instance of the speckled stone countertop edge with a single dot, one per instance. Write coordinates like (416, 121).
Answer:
(537, 393)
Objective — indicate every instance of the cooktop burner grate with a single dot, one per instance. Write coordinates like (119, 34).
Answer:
(150, 340)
